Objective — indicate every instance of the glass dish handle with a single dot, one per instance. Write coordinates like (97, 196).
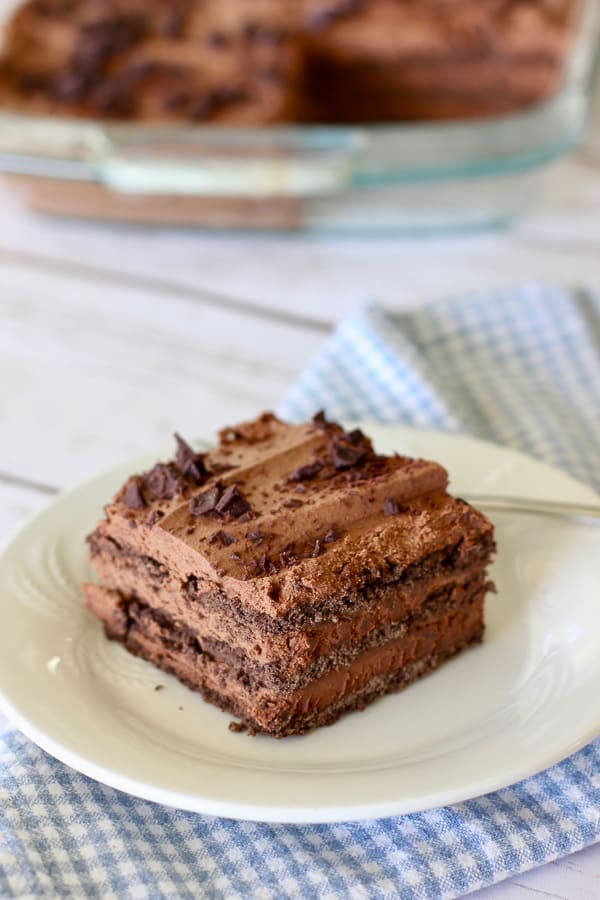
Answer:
(227, 164)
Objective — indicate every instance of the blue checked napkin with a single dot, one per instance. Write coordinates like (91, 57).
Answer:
(521, 366)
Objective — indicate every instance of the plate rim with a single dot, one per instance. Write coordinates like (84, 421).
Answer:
(269, 813)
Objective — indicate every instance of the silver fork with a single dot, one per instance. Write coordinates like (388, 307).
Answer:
(586, 513)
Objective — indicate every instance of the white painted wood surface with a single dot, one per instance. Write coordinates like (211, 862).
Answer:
(112, 337)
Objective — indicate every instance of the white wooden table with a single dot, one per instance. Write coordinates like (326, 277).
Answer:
(112, 338)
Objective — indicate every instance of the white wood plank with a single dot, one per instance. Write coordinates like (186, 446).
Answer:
(90, 373)
(586, 862)
(575, 877)
(567, 217)
(322, 278)
(513, 890)
(325, 278)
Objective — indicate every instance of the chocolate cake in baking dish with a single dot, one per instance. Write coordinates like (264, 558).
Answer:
(255, 62)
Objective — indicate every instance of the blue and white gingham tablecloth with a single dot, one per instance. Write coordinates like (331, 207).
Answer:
(520, 366)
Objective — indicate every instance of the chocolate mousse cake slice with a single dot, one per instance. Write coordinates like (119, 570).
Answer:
(291, 574)
(220, 61)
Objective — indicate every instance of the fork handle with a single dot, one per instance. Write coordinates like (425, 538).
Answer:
(587, 513)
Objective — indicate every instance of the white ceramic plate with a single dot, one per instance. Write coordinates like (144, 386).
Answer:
(527, 697)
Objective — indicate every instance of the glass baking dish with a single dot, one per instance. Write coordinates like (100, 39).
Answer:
(407, 178)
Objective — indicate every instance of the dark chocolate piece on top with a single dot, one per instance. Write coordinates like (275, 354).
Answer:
(232, 502)
(161, 482)
(305, 473)
(189, 462)
(349, 449)
(133, 497)
(206, 502)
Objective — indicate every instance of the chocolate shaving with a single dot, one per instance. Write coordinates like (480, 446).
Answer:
(70, 86)
(291, 554)
(188, 462)
(390, 508)
(263, 566)
(305, 473)
(112, 98)
(293, 504)
(217, 39)
(359, 438)
(97, 40)
(223, 502)
(300, 489)
(255, 536)
(176, 100)
(206, 502)
(324, 17)
(162, 482)
(133, 497)
(288, 555)
(235, 556)
(260, 565)
(202, 107)
(233, 502)
(347, 450)
(224, 538)
(172, 25)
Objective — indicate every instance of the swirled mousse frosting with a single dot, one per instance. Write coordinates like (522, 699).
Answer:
(291, 574)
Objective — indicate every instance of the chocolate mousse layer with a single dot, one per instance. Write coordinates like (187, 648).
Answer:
(288, 554)
(277, 662)
(293, 706)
